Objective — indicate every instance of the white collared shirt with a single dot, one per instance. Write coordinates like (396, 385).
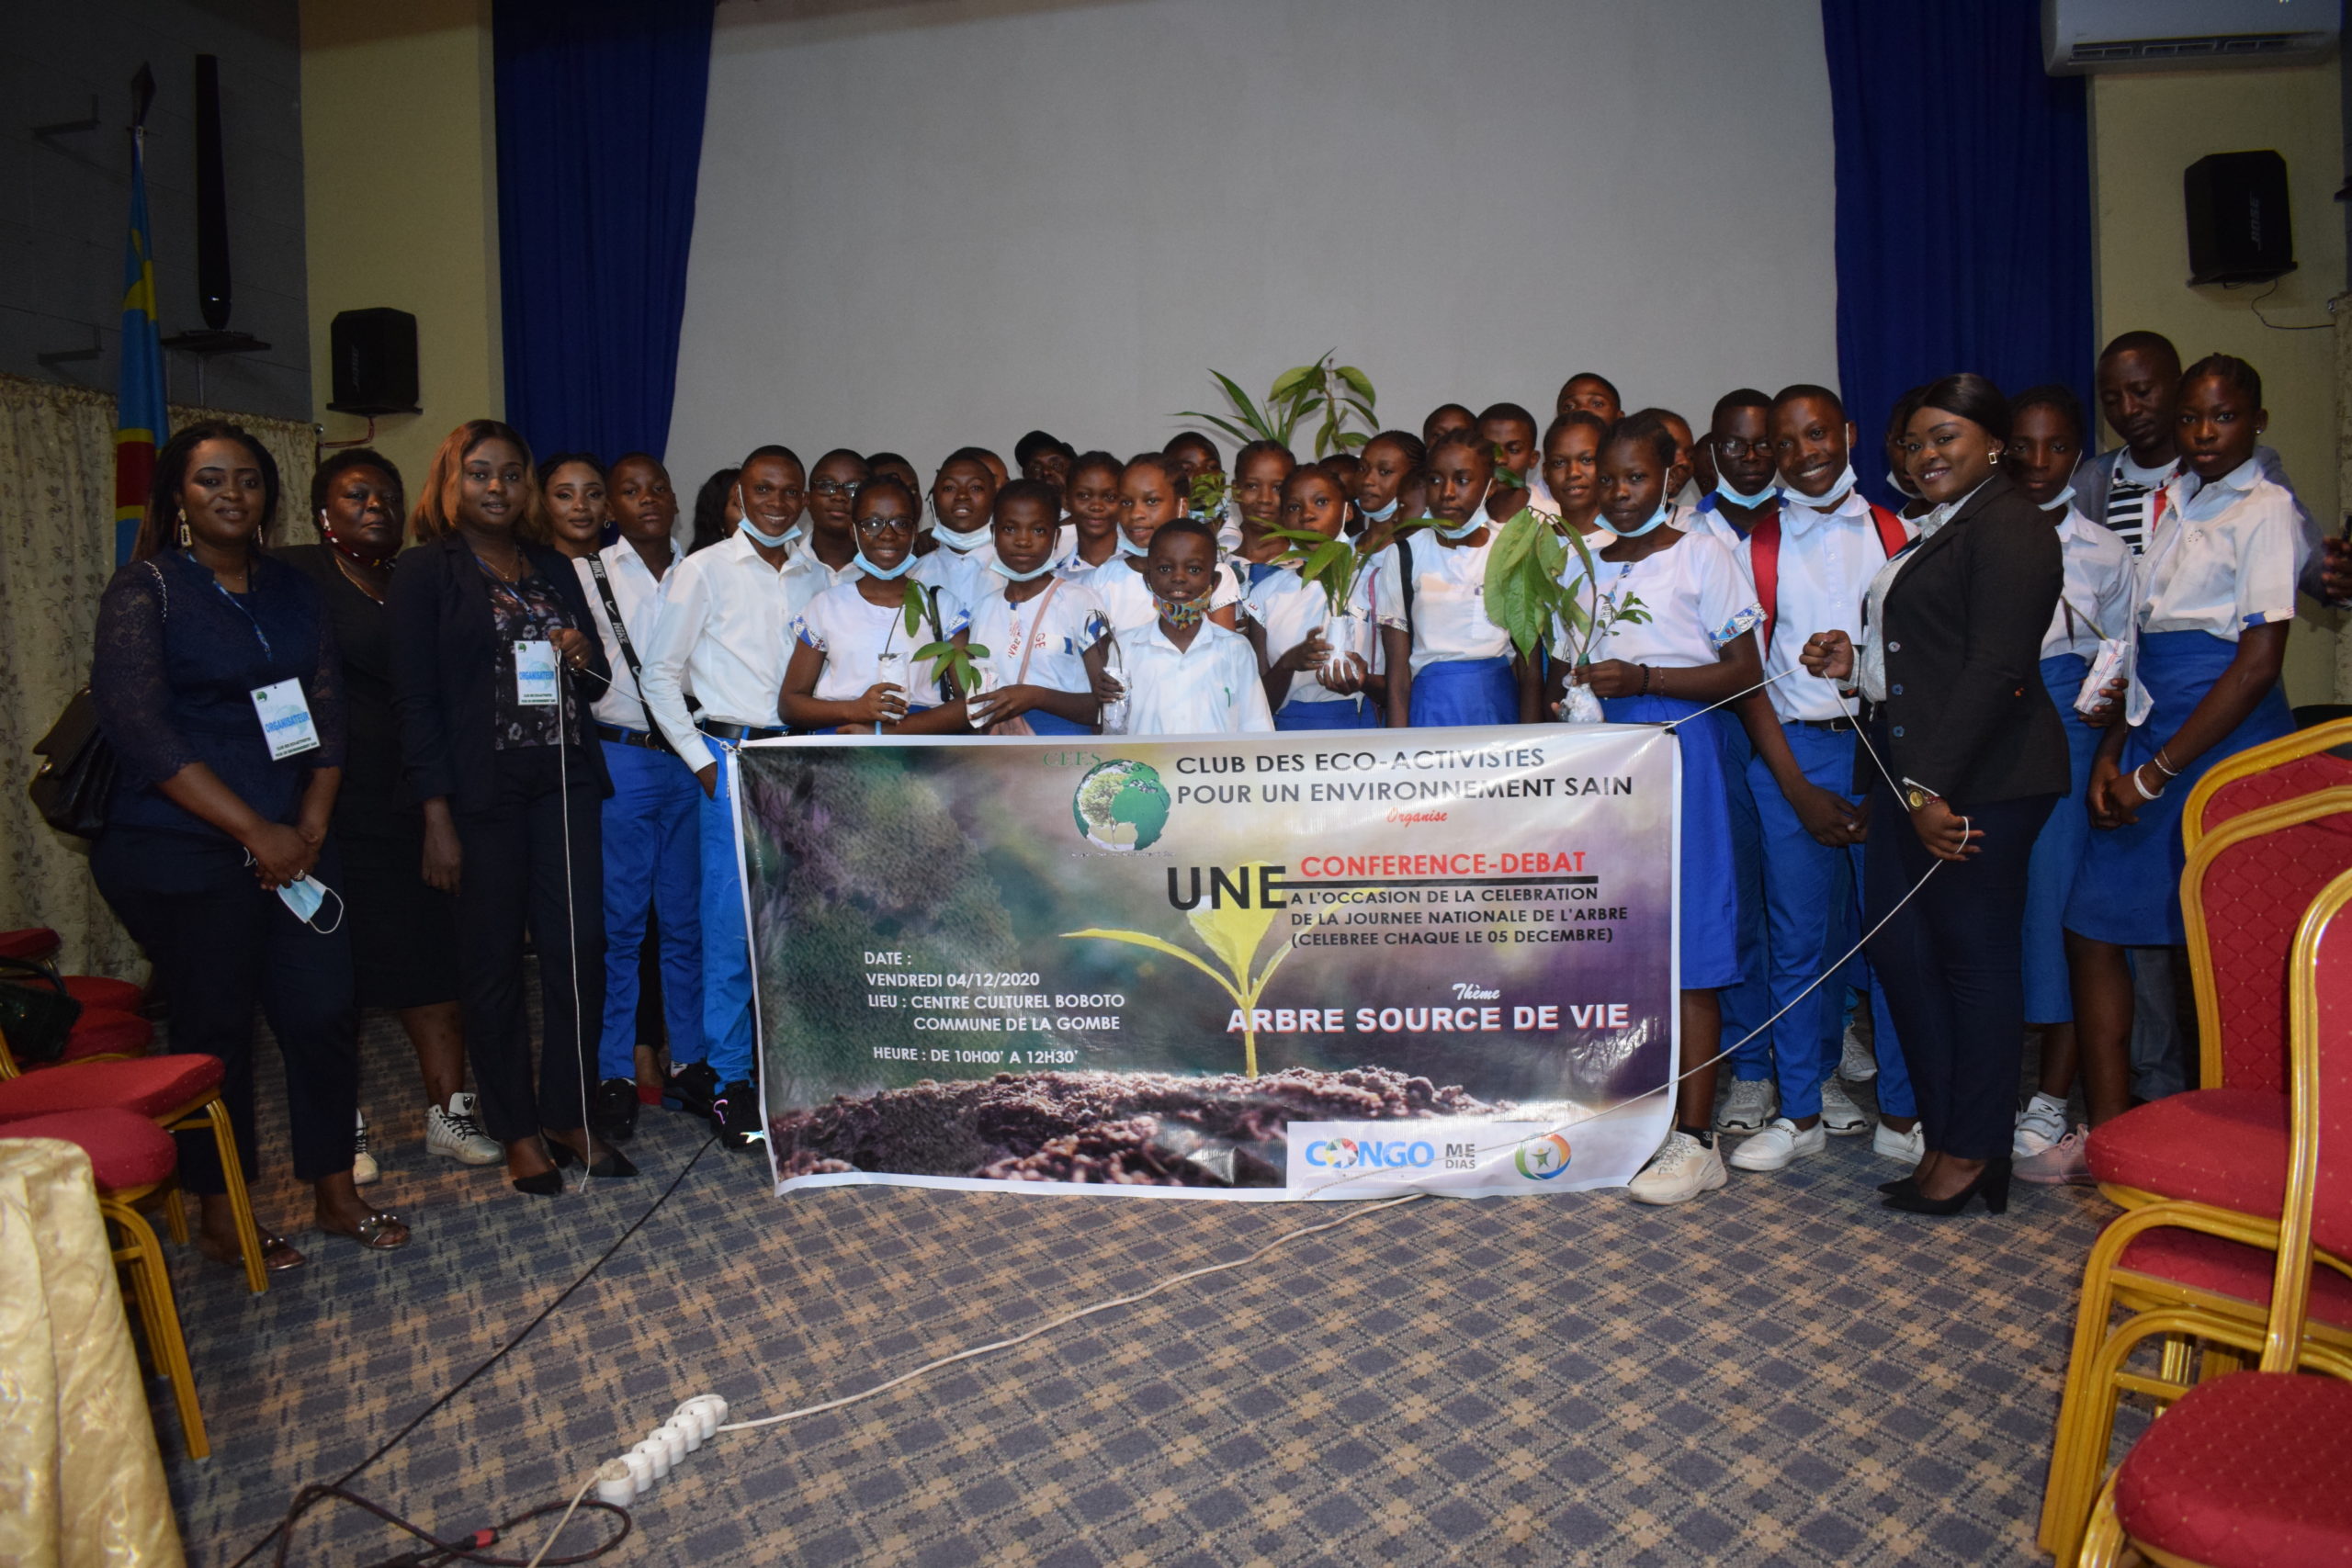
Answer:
(639, 595)
(1694, 593)
(1210, 688)
(1128, 603)
(1448, 615)
(2096, 600)
(1288, 608)
(853, 633)
(723, 633)
(805, 577)
(1056, 627)
(1870, 643)
(2223, 556)
(1826, 561)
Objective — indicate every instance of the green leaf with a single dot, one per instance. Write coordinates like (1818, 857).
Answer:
(1361, 382)
(930, 651)
(1291, 381)
(1331, 553)
(1323, 437)
(1248, 410)
(1235, 431)
(1145, 939)
(1353, 438)
(1296, 536)
(915, 604)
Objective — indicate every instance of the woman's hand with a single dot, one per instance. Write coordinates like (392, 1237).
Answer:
(2122, 794)
(1832, 819)
(280, 854)
(1007, 701)
(1107, 688)
(882, 703)
(571, 644)
(1944, 831)
(2108, 711)
(443, 857)
(1613, 678)
(1305, 656)
(1830, 654)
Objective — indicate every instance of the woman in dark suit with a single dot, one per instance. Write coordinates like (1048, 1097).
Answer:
(1969, 748)
(489, 656)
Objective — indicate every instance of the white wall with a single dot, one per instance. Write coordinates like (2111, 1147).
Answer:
(944, 223)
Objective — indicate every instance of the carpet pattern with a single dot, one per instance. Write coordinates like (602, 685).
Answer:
(1780, 1373)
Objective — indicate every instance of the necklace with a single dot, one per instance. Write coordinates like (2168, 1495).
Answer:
(354, 573)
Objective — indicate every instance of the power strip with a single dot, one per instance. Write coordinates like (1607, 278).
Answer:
(622, 1480)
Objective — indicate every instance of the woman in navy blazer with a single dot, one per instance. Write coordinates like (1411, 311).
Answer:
(1973, 758)
(495, 675)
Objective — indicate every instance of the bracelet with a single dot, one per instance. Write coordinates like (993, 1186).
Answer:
(2163, 767)
(2143, 788)
(1649, 680)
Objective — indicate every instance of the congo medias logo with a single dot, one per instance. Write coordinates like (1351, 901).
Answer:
(1120, 804)
(1369, 1153)
(1540, 1159)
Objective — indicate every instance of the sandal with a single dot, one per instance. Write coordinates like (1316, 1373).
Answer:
(277, 1254)
(377, 1233)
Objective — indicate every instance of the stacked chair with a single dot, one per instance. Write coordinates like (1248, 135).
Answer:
(2207, 1178)
(121, 1106)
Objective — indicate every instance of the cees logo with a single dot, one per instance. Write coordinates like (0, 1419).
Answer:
(1121, 805)
(1369, 1153)
(1540, 1159)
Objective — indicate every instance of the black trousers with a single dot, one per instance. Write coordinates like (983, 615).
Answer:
(221, 944)
(514, 876)
(1954, 967)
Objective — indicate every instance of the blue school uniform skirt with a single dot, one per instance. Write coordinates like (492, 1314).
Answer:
(1464, 691)
(1709, 881)
(1357, 713)
(1044, 723)
(2127, 891)
(2058, 853)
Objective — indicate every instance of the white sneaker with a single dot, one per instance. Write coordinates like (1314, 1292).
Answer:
(1681, 1169)
(453, 1133)
(363, 1164)
(1780, 1146)
(1910, 1148)
(2039, 1127)
(2065, 1162)
(1838, 1112)
(1752, 1103)
(1858, 1063)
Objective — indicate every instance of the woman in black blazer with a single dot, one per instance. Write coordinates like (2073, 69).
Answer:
(489, 657)
(1968, 746)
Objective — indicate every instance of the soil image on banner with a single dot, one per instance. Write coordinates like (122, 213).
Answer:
(1273, 966)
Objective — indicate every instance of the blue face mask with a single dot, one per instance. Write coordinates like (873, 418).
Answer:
(1383, 514)
(1722, 487)
(305, 899)
(1830, 497)
(1655, 519)
(773, 541)
(997, 565)
(1129, 548)
(963, 542)
(2060, 502)
(867, 567)
(1478, 518)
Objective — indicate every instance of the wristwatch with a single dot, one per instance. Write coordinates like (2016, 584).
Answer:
(1916, 795)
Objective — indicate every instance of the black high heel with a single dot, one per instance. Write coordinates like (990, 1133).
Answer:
(545, 1183)
(1992, 1184)
(612, 1163)
(1899, 1185)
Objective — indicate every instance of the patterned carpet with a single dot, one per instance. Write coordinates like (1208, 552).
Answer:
(1783, 1373)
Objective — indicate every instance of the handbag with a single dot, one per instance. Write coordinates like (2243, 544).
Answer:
(1021, 726)
(36, 1014)
(75, 780)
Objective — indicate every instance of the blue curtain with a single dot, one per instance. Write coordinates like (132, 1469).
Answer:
(600, 106)
(1964, 204)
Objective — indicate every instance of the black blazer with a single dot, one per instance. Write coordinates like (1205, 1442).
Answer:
(444, 658)
(1966, 713)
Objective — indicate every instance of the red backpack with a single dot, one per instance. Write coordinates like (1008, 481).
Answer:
(1764, 560)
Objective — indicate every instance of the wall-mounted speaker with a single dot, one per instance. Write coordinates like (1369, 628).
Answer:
(2239, 231)
(374, 354)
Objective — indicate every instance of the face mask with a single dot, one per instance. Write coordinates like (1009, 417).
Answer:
(773, 541)
(1478, 518)
(305, 896)
(1902, 486)
(2060, 502)
(997, 565)
(1655, 519)
(867, 567)
(1129, 548)
(1189, 614)
(1837, 492)
(1722, 487)
(1383, 514)
(963, 542)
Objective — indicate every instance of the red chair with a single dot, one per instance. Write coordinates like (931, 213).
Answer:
(132, 1160)
(2301, 763)
(38, 944)
(2255, 1469)
(180, 1092)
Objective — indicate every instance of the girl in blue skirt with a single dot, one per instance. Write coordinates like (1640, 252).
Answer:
(1461, 669)
(1312, 682)
(2216, 594)
(1672, 616)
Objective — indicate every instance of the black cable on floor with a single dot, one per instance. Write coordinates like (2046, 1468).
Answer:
(310, 1496)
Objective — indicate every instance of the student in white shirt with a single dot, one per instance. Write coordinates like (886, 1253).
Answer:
(653, 854)
(1151, 494)
(835, 678)
(1311, 684)
(1811, 560)
(722, 632)
(955, 545)
(2096, 602)
(1092, 497)
(1449, 663)
(1511, 431)
(2216, 594)
(1688, 649)
(1045, 633)
(1572, 470)
(1184, 674)
(1390, 487)
(826, 555)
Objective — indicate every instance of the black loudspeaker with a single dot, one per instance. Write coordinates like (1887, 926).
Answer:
(2239, 231)
(375, 362)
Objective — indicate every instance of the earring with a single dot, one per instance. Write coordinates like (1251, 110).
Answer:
(184, 540)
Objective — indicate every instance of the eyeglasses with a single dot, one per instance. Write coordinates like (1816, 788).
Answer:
(1734, 448)
(836, 487)
(885, 524)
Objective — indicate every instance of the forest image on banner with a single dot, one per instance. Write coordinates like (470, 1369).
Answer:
(1273, 966)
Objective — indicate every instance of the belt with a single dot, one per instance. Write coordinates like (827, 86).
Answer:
(1833, 725)
(619, 735)
(721, 730)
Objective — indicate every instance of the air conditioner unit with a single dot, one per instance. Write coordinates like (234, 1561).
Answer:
(2079, 37)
